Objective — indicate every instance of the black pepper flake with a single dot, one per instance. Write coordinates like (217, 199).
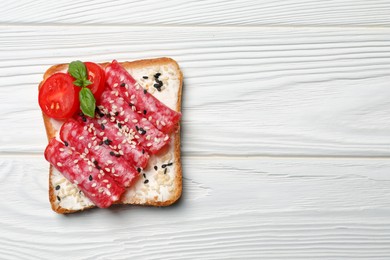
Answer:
(95, 162)
(145, 112)
(112, 153)
(58, 198)
(158, 74)
(84, 119)
(157, 86)
(165, 171)
(136, 127)
(98, 167)
(90, 177)
(138, 169)
(101, 142)
(119, 125)
(99, 112)
(58, 187)
(155, 167)
(131, 104)
(107, 141)
(143, 151)
(102, 126)
(66, 143)
(142, 131)
(116, 113)
(123, 84)
(146, 181)
(145, 91)
(145, 77)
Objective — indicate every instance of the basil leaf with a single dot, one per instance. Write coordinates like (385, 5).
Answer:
(87, 102)
(78, 82)
(78, 70)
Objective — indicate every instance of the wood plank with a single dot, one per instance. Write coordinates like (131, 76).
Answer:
(301, 92)
(211, 12)
(231, 208)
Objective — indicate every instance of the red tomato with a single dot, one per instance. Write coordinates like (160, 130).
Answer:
(98, 78)
(58, 97)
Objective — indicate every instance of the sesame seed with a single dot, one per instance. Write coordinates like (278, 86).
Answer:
(108, 142)
(81, 137)
(58, 198)
(59, 164)
(119, 125)
(102, 126)
(133, 108)
(66, 143)
(109, 185)
(158, 74)
(96, 148)
(115, 85)
(145, 91)
(122, 113)
(150, 118)
(136, 136)
(93, 138)
(145, 112)
(132, 96)
(94, 185)
(165, 171)
(90, 177)
(163, 123)
(121, 152)
(155, 167)
(157, 122)
(170, 164)
(134, 121)
(146, 181)
(144, 175)
(107, 169)
(143, 151)
(166, 137)
(89, 145)
(138, 169)
(101, 133)
(123, 84)
(113, 170)
(62, 149)
(116, 113)
(86, 150)
(109, 162)
(90, 168)
(112, 153)
(84, 119)
(163, 166)
(149, 144)
(101, 190)
(108, 192)
(118, 155)
(58, 187)
(105, 181)
(145, 77)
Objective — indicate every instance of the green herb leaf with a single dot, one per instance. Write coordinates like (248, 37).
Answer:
(78, 82)
(78, 70)
(87, 102)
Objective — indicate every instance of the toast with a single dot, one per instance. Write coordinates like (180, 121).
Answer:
(160, 183)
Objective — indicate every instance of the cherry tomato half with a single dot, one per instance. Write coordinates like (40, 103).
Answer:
(97, 76)
(58, 97)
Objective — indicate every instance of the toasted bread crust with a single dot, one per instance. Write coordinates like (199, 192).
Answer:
(51, 132)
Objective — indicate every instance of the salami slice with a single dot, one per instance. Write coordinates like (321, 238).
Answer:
(83, 140)
(99, 187)
(161, 116)
(135, 126)
(113, 136)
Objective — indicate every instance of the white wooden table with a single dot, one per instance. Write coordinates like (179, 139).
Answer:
(286, 128)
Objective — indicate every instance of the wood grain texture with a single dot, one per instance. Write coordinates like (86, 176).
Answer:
(231, 208)
(247, 92)
(211, 12)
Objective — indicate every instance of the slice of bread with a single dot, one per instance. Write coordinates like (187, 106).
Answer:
(158, 184)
